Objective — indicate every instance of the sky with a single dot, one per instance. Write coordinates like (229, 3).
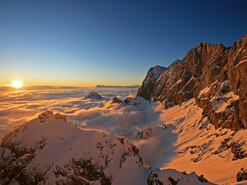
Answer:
(107, 42)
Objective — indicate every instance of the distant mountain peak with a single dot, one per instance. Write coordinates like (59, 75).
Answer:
(93, 95)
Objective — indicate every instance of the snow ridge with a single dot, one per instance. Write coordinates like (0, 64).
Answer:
(50, 150)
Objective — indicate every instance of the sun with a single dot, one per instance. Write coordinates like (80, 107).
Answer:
(17, 84)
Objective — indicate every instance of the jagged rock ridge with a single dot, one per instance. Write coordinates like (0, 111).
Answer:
(146, 90)
(214, 75)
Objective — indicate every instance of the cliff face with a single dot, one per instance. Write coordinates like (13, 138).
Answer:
(214, 75)
(146, 90)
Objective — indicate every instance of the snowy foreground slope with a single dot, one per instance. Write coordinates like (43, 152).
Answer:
(187, 141)
(205, 124)
(50, 150)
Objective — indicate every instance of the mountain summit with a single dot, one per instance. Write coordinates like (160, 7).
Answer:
(214, 75)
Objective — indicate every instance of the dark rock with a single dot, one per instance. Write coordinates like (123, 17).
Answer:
(153, 179)
(238, 151)
(173, 182)
(93, 95)
(242, 175)
(116, 100)
(128, 100)
(202, 179)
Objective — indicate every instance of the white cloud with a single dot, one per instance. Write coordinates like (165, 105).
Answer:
(18, 107)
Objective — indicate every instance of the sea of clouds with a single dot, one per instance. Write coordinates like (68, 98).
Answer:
(18, 107)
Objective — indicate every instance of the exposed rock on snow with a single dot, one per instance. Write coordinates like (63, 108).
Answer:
(93, 95)
(173, 177)
(201, 68)
(135, 101)
(220, 104)
(50, 150)
(242, 175)
(187, 141)
(128, 100)
(116, 100)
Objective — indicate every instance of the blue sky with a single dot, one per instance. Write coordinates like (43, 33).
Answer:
(85, 43)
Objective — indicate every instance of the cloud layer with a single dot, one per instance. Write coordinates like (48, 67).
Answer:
(18, 107)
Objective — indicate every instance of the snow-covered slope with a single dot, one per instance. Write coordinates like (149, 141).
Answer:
(50, 150)
(187, 141)
(55, 151)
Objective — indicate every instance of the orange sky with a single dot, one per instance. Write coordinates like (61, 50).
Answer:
(66, 82)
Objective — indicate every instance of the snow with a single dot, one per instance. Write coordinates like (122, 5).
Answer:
(196, 139)
(182, 90)
(62, 142)
(153, 74)
(166, 74)
(240, 183)
(204, 91)
(221, 102)
(239, 51)
(179, 81)
(241, 62)
(157, 70)
(65, 142)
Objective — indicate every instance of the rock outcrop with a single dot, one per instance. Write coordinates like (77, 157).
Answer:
(93, 96)
(214, 75)
(116, 100)
(170, 176)
(242, 175)
(146, 90)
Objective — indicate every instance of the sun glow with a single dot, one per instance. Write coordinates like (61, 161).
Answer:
(16, 84)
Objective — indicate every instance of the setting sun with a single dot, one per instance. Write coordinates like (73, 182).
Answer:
(16, 84)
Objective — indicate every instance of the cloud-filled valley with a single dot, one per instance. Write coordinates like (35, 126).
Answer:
(18, 107)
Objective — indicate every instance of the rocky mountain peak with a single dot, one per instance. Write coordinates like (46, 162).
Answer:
(153, 74)
(203, 46)
(203, 66)
(175, 62)
(156, 71)
(93, 95)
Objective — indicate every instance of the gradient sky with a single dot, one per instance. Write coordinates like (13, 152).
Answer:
(85, 43)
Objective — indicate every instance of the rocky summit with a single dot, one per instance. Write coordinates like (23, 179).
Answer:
(216, 76)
